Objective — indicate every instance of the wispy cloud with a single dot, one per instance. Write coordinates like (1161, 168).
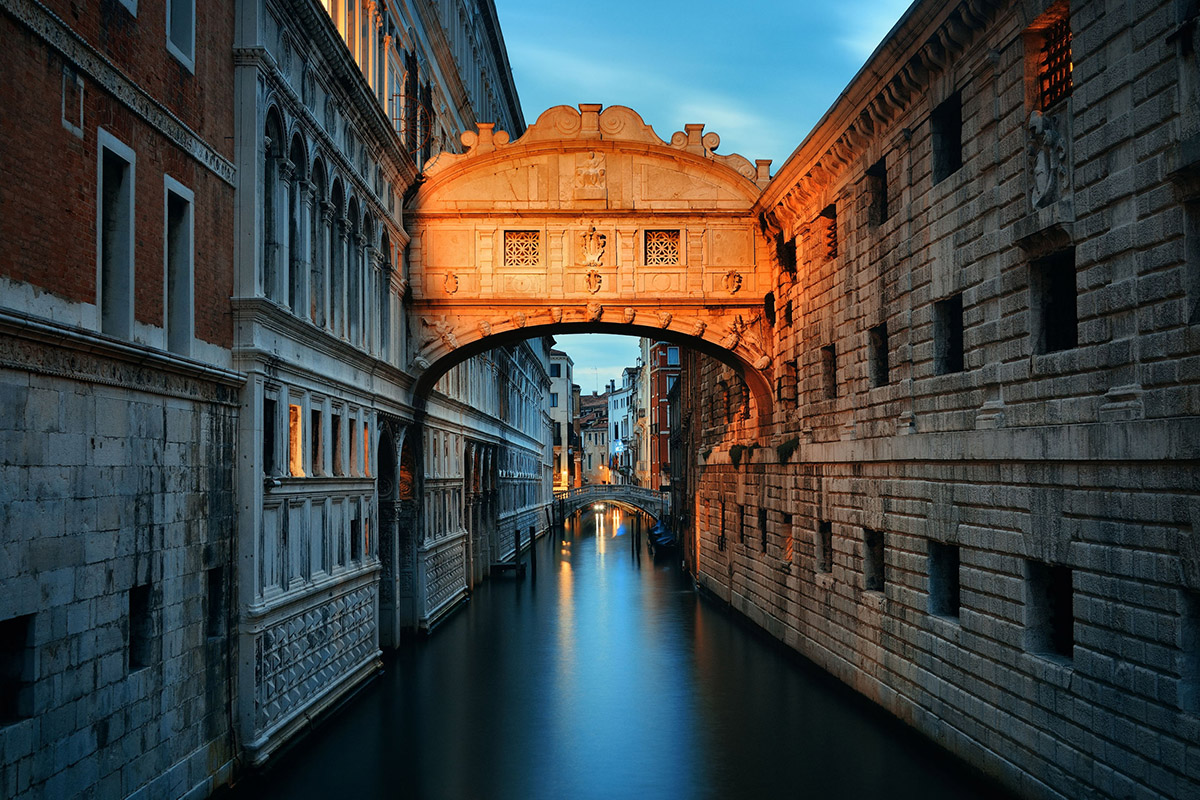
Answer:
(864, 24)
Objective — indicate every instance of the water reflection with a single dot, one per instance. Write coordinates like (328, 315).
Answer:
(610, 678)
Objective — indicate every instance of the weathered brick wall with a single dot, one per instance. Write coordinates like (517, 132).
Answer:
(1082, 459)
(123, 480)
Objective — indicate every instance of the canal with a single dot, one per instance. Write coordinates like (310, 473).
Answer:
(606, 676)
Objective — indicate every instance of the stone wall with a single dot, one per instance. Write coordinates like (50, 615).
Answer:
(976, 500)
(116, 524)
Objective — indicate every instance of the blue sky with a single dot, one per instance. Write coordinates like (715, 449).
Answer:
(760, 76)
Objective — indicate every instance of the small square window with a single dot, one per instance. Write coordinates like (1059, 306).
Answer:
(1049, 610)
(946, 124)
(948, 335)
(1053, 302)
(943, 579)
(556, 370)
(662, 248)
(673, 356)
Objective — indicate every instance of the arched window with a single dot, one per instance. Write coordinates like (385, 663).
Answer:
(273, 165)
(296, 211)
(319, 223)
(337, 262)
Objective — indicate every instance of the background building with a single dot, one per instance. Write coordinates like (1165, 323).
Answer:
(593, 426)
(662, 371)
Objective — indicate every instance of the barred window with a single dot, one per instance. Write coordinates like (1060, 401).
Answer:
(1054, 74)
(522, 248)
(662, 248)
(831, 230)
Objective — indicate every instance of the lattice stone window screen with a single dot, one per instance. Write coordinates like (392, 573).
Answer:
(662, 248)
(522, 248)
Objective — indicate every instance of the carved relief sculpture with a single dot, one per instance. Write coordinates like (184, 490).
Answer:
(733, 282)
(485, 327)
(593, 247)
(664, 319)
(590, 177)
(1049, 181)
(594, 312)
(594, 279)
(450, 284)
(698, 329)
(518, 319)
(556, 313)
(630, 313)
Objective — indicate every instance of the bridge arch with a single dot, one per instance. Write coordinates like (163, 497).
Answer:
(590, 223)
(656, 504)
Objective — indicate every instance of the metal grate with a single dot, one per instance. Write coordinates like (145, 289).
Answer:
(1055, 75)
(662, 248)
(522, 248)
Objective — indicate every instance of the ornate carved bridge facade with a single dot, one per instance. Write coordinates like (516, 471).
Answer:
(589, 223)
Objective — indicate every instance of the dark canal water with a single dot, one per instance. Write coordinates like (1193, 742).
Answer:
(607, 677)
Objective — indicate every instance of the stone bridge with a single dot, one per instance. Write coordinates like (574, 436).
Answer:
(590, 223)
(656, 504)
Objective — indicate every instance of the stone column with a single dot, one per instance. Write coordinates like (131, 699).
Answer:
(285, 169)
(304, 249)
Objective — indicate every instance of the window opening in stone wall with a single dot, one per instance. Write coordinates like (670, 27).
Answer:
(877, 187)
(214, 609)
(762, 527)
(115, 244)
(295, 441)
(522, 249)
(335, 434)
(353, 465)
(355, 534)
(1049, 610)
(554, 399)
(181, 30)
(269, 423)
(769, 307)
(824, 547)
(829, 214)
(873, 567)
(787, 313)
(1189, 645)
(943, 579)
(877, 341)
(946, 124)
(316, 443)
(948, 335)
(141, 628)
(662, 248)
(789, 544)
(740, 510)
(366, 448)
(1054, 62)
(785, 252)
(16, 669)
(1053, 300)
(178, 256)
(1191, 262)
(829, 370)
(556, 370)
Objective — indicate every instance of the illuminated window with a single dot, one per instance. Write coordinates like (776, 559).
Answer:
(1054, 62)
(789, 545)
(296, 441)
(662, 248)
